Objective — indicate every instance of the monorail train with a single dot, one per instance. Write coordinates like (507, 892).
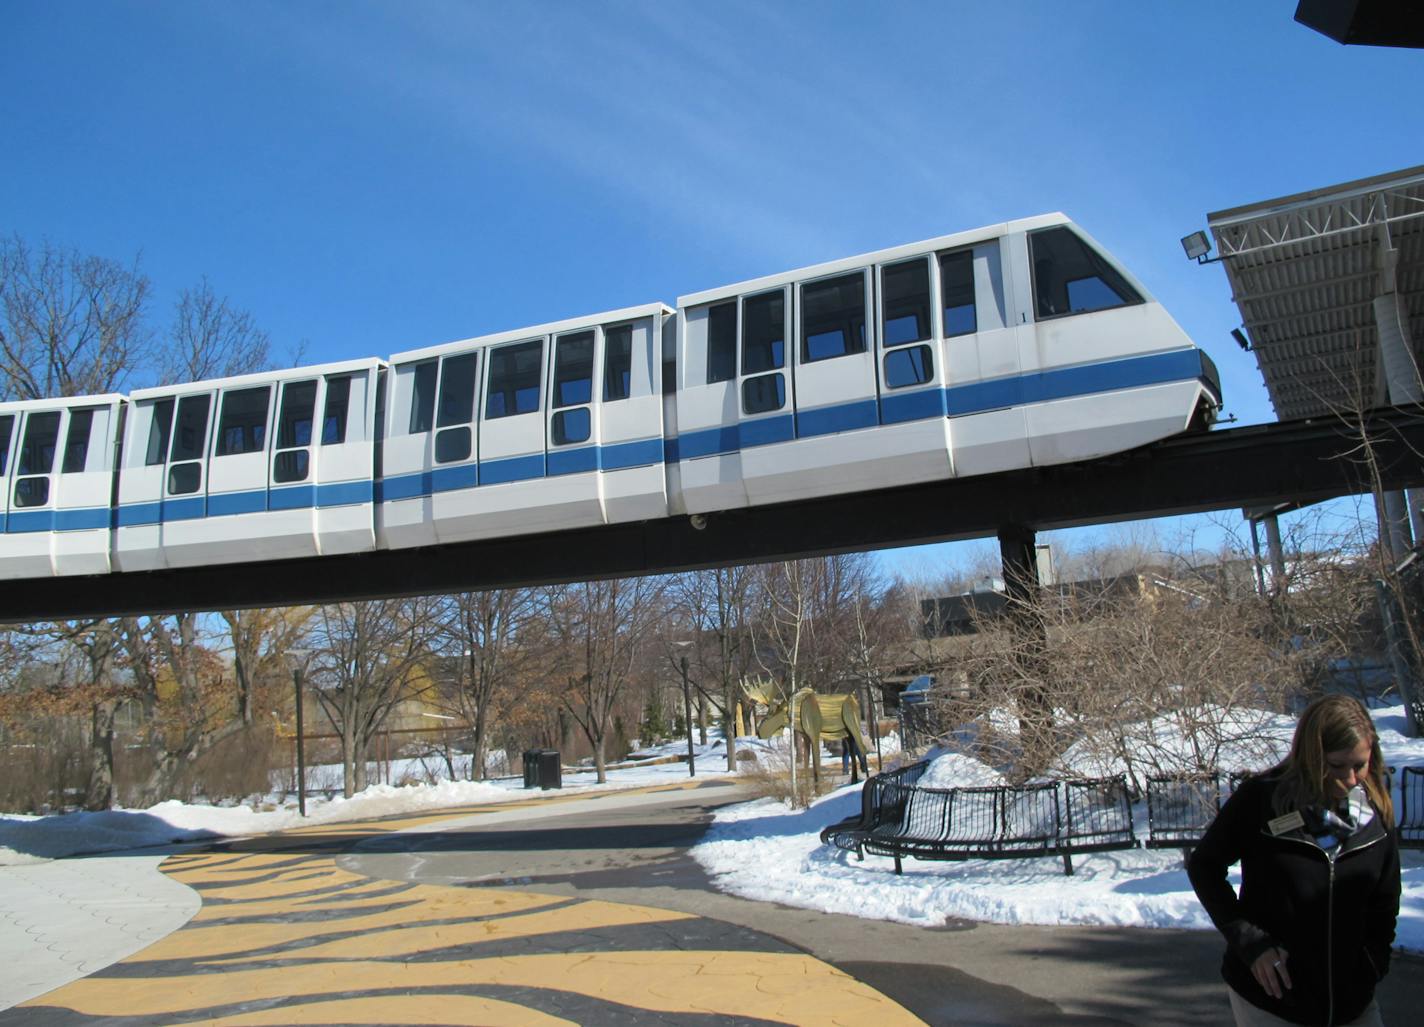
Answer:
(1015, 345)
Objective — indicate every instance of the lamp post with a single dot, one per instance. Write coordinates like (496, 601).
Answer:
(301, 748)
(300, 657)
(682, 648)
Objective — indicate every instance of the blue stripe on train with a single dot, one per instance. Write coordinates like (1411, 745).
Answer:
(895, 408)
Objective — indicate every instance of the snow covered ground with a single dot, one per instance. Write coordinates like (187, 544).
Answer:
(28, 839)
(765, 850)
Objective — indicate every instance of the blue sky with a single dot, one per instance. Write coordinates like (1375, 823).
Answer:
(367, 178)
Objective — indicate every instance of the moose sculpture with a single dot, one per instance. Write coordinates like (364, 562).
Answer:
(817, 718)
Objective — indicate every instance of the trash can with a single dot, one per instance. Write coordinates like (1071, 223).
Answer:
(543, 769)
(551, 769)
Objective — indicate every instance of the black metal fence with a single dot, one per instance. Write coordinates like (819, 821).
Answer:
(899, 819)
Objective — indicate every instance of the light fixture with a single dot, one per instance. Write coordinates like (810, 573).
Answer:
(1197, 246)
(1241, 340)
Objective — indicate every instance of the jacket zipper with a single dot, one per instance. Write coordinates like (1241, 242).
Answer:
(1330, 913)
(1330, 945)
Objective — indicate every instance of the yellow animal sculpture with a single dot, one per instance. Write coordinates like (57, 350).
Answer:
(818, 718)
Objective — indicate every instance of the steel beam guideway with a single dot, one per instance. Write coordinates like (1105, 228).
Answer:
(1303, 461)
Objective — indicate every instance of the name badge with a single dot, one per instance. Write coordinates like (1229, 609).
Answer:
(1288, 822)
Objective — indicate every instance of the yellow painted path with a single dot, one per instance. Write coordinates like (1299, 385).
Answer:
(285, 936)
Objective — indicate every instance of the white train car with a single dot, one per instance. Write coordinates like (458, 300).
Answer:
(1011, 346)
(258, 467)
(553, 427)
(56, 477)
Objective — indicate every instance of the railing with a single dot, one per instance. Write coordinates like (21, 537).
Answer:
(901, 820)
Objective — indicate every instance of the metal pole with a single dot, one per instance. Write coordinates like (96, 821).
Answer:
(687, 717)
(301, 749)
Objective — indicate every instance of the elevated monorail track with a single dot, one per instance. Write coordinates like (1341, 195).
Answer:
(1303, 461)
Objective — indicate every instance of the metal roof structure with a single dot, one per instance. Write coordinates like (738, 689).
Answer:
(1330, 284)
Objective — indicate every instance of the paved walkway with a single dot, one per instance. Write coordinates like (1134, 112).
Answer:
(68, 918)
(285, 935)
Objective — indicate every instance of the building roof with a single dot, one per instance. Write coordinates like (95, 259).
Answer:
(1305, 270)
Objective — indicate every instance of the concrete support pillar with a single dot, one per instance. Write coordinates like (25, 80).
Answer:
(1276, 554)
(1404, 385)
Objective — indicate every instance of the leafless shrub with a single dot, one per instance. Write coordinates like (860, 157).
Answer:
(1141, 677)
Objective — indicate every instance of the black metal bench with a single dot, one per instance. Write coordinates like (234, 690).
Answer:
(900, 820)
(1180, 807)
(1411, 808)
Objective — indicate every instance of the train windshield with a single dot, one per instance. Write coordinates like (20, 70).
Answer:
(1070, 278)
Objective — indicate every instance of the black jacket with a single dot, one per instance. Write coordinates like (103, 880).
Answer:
(1334, 914)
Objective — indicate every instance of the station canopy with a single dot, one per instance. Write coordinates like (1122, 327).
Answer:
(1319, 278)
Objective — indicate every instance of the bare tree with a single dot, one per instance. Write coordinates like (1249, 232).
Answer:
(367, 656)
(70, 324)
(495, 640)
(210, 338)
(599, 631)
(715, 609)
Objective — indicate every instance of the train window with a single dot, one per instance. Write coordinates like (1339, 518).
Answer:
(764, 332)
(294, 423)
(913, 365)
(762, 394)
(159, 432)
(192, 428)
(905, 302)
(243, 426)
(1070, 278)
(722, 342)
(457, 390)
(422, 398)
(618, 362)
(76, 443)
(293, 465)
(7, 428)
(514, 379)
(570, 426)
(41, 439)
(573, 369)
(184, 478)
(956, 280)
(338, 405)
(833, 317)
(453, 444)
(32, 492)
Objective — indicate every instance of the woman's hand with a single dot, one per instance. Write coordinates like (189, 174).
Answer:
(1270, 972)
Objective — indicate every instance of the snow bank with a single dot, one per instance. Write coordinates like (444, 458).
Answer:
(769, 852)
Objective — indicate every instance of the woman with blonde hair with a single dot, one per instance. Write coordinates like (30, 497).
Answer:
(1309, 935)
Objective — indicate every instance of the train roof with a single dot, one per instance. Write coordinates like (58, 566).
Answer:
(943, 242)
(61, 402)
(257, 378)
(550, 328)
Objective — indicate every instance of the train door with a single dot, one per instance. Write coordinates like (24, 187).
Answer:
(84, 491)
(630, 419)
(343, 462)
(31, 520)
(708, 406)
(455, 473)
(573, 410)
(979, 301)
(766, 391)
(183, 508)
(407, 455)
